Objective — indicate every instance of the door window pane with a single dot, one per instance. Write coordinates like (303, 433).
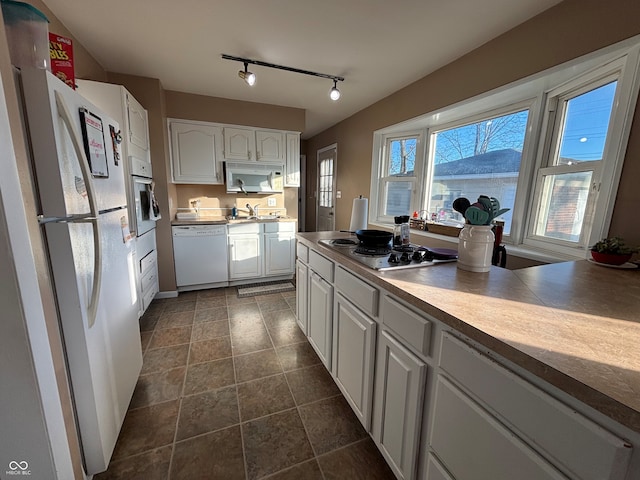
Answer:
(586, 122)
(326, 183)
(563, 205)
(482, 158)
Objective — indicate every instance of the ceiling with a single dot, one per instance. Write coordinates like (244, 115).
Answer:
(379, 46)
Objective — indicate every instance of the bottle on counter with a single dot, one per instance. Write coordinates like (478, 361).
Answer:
(401, 230)
(234, 211)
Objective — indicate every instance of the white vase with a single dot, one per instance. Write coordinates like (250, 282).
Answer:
(475, 248)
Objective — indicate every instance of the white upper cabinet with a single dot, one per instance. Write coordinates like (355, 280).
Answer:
(138, 123)
(196, 152)
(270, 146)
(239, 143)
(292, 162)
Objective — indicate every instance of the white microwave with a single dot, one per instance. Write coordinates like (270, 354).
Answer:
(254, 177)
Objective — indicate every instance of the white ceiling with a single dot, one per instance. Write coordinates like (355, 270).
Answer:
(379, 46)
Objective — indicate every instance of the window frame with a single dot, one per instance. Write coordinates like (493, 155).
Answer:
(534, 91)
(383, 178)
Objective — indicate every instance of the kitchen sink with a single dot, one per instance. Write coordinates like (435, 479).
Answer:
(254, 218)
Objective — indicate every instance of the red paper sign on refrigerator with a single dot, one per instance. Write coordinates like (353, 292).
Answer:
(61, 53)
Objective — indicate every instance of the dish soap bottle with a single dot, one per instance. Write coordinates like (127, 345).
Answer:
(234, 212)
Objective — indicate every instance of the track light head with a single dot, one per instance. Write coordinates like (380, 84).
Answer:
(247, 76)
(334, 93)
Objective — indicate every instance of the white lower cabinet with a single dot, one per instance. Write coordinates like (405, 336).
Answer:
(245, 251)
(398, 404)
(279, 248)
(435, 471)
(502, 426)
(302, 295)
(354, 337)
(320, 317)
(261, 250)
(475, 446)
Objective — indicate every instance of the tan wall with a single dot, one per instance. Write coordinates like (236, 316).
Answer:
(571, 29)
(221, 110)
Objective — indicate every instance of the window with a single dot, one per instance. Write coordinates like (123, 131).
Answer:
(481, 158)
(566, 188)
(399, 175)
(326, 183)
(549, 148)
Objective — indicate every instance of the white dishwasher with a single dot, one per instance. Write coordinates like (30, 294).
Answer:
(200, 255)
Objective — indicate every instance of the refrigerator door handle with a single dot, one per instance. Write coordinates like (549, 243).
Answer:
(63, 112)
(75, 218)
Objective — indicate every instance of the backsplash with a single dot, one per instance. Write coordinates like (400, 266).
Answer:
(215, 201)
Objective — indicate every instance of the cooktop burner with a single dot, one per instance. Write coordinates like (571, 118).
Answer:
(391, 258)
(362, 249)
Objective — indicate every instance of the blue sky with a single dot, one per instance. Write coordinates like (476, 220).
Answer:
(587, 123)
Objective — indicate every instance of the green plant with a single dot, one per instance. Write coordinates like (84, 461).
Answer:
(614, 246)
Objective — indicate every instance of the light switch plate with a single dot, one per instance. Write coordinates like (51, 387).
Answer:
(271, 202)
(338, 194)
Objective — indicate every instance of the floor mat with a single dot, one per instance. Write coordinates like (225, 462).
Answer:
(254, 289)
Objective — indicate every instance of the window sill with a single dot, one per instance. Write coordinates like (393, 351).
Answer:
(528, 252)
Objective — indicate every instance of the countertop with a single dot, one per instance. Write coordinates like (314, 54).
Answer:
(574, 324)
(219, 220)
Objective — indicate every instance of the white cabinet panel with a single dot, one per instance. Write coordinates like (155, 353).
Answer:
(196, 153)
(561, 434)
(398, 402)
(412, 328)
(359, 292)
(354, 337)
(292, 163)
(239, 144)
(474, 446)
(270, 146)
(302, 295)
(320, 317)
(279, 253)
(435, 471)
(138, 123)
(245, 256)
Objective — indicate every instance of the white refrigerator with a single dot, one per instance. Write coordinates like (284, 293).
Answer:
(81, 188)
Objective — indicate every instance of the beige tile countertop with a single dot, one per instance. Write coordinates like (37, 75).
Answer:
(213, 220)
(575, 324)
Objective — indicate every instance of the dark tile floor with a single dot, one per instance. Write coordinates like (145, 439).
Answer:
(231, 389)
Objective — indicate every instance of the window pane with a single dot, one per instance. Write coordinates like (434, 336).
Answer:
(478, 159)
(397, 198)
(563, 205)
(326, 183)
(586, 124)
(402, 156)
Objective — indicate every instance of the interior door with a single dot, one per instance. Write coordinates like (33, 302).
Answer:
(325, 218)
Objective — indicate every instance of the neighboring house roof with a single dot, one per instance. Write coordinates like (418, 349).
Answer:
(498, 161)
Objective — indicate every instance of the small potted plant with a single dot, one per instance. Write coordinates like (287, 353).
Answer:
(612, 251)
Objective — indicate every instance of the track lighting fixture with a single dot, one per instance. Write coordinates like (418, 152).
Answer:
(247, 76)
(250, 77)
(334, 93)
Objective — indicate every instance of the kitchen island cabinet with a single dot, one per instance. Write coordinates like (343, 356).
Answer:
(528, 362)
(320, 313)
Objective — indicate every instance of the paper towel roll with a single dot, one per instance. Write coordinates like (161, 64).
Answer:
(359, 214)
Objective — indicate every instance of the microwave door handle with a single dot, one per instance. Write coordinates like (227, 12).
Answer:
(63, 112)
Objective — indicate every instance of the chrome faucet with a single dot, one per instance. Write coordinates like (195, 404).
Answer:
(253, 211)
